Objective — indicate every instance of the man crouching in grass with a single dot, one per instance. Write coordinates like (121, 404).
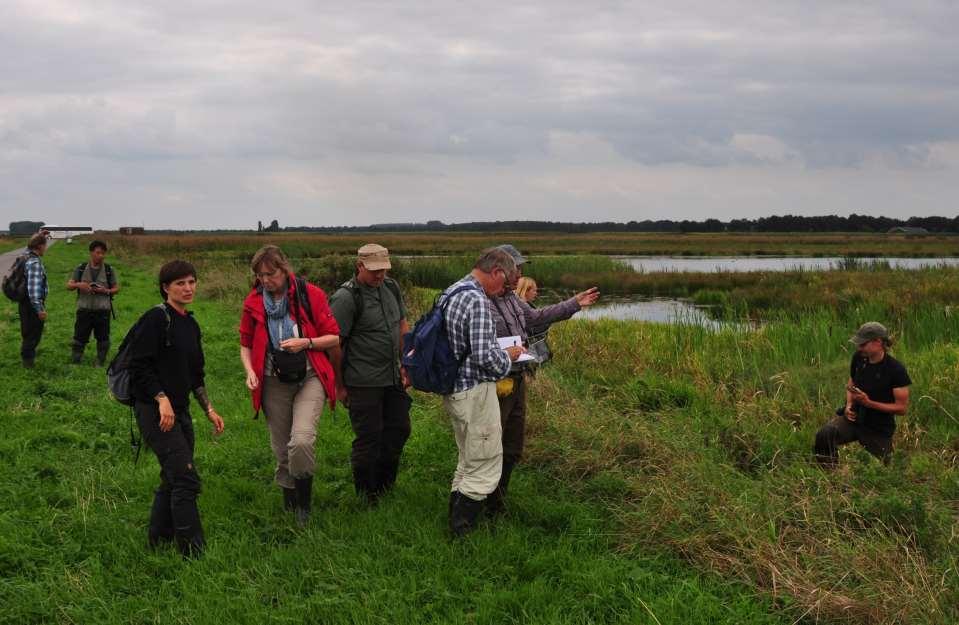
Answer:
(473, 406)
(877, 390)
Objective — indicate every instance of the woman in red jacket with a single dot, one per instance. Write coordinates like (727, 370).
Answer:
(288, 337)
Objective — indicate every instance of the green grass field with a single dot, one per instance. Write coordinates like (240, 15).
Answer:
(668, 480)
(72, 530)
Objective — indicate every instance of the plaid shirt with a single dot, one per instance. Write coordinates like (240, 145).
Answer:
(470, 328)
(36, 282)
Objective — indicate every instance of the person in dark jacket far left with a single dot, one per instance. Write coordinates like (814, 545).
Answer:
(166, 367)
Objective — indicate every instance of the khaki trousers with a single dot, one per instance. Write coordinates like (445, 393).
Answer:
(475, 417)
(292, 412)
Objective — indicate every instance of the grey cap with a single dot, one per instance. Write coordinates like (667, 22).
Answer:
(512, 251)
(869, 331)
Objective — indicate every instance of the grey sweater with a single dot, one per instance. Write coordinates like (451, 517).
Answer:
(514, 317)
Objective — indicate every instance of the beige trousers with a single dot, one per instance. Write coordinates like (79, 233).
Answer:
(474, 414)
(292, 412)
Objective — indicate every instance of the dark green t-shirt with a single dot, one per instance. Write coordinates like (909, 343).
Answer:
(371, 345)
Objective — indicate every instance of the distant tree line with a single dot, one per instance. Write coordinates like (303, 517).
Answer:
(776, 223)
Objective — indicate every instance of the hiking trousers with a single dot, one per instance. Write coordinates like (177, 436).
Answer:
(95, 321)
(31, 330)
(380, 417)
(474, 414)
(292, 413)
(841, 431)
(512, 410)
(175, 514)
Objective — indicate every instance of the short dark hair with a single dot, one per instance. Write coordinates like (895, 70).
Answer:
(174, 270)
(94, 244)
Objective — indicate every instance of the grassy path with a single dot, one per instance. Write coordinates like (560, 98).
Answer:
(72, 524)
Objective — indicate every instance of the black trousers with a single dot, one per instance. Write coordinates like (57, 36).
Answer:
(841, 431)
(174, 514)
(512, 413)
(380, 416)
(95, 321)
(31, 329)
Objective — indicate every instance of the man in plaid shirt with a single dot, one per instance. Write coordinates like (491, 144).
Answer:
(473, 407)
(32, 310)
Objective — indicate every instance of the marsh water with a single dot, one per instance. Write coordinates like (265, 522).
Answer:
(666, 310)
(709, 264)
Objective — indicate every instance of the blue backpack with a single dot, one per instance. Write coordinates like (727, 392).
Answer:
(427, 356)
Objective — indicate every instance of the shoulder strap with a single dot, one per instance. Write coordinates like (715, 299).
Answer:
(110, 281)
(357, 300)
(167, 341)
(449, 296)
(394, 288)
(78, 274)
(303, 299)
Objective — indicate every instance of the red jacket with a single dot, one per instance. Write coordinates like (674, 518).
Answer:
(253, 334)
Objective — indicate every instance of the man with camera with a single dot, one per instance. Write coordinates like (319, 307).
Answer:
(95, 284)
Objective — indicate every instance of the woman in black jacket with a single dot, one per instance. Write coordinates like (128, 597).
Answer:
(166, 366)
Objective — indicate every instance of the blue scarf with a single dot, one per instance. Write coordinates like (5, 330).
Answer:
(278, 321)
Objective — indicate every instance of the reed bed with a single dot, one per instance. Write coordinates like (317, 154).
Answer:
(602, 243)
(700, 442)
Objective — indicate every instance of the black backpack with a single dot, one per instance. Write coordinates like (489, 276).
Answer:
(15, 280)
(118, 373)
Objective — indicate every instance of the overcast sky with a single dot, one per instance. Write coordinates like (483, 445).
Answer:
(217, 114)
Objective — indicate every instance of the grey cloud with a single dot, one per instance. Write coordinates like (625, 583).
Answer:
(434, 90)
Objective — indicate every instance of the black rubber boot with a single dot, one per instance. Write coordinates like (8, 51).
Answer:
(386, 475)
(364, 485)
(496, 502)
(161, 520)
(191, 546)
(102, 349)
(76, 356)
(289, 499)
(464, 514)
(449, 513)
(304, 499)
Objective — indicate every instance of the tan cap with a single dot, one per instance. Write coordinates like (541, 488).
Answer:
(374, 257)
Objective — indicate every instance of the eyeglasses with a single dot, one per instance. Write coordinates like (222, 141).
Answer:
(267, 274)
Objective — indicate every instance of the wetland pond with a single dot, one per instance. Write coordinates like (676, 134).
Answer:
(710, 264)
(666, 310)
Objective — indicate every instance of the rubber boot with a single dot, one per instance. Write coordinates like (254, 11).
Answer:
(187, 528)
(102, 349)
(304, 497)
(161, 519)
(289, 499)
(77, 355)
(386, 472)
(191, 545)
(496, 502)
(449, 513)
(365, 486)
(465, 513)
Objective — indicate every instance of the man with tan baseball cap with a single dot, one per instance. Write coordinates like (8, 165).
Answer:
(877, 390)
(369, 380)
(374, 257)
